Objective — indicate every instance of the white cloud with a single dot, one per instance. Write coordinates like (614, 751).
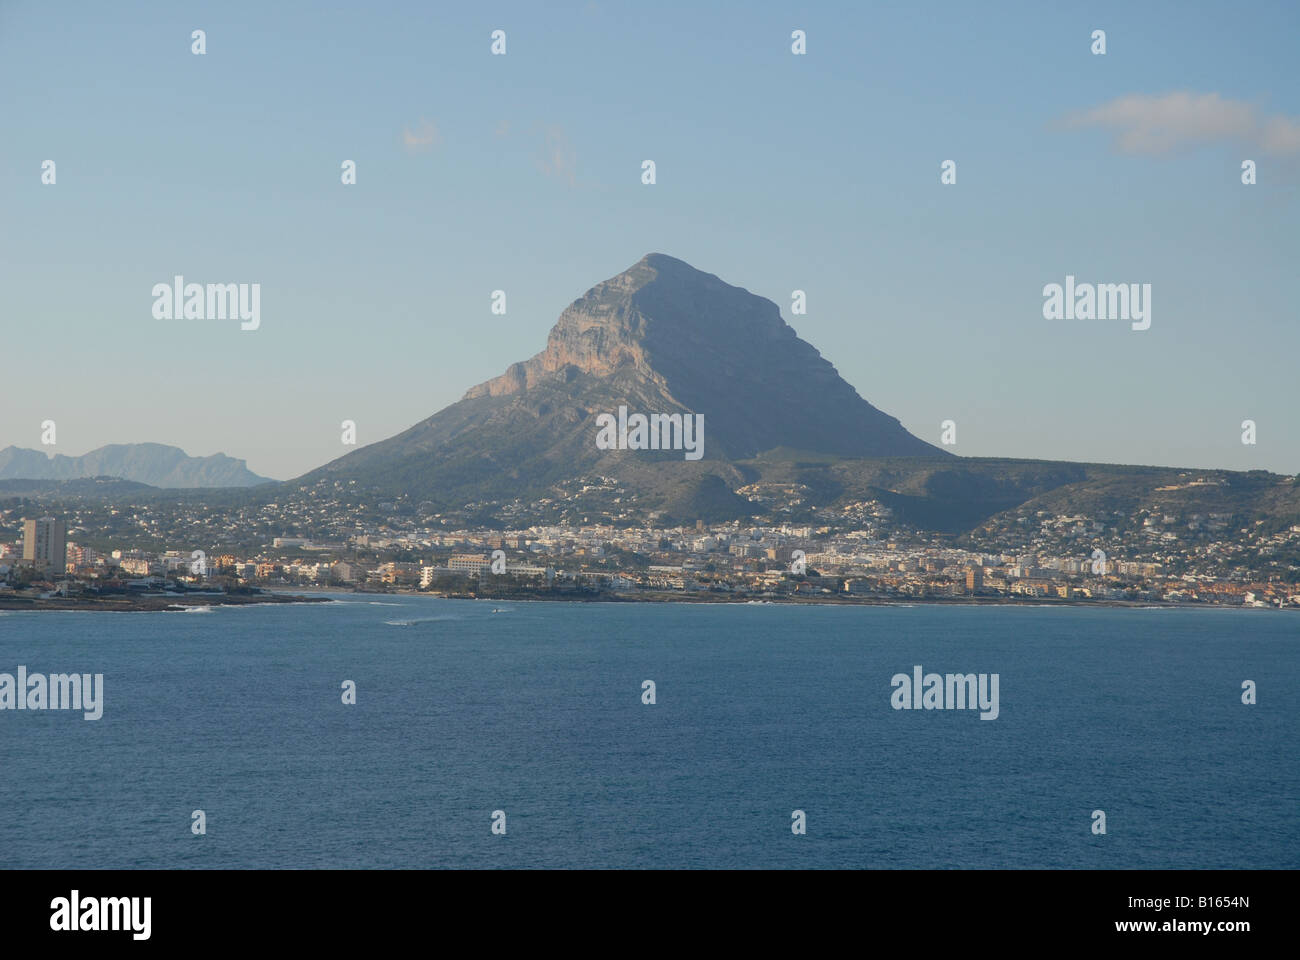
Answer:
(1159, 124)
(1281, 135)
(423, 137)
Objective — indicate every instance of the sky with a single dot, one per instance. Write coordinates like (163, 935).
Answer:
(522, 172)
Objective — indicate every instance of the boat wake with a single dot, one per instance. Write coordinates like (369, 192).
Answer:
(418, 620)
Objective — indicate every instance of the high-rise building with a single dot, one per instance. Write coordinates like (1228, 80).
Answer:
(45, 544)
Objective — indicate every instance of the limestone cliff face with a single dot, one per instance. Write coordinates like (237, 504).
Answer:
(597, 334)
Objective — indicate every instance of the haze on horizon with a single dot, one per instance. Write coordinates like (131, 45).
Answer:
(775, 172)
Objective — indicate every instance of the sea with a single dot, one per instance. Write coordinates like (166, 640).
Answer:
(494, 734)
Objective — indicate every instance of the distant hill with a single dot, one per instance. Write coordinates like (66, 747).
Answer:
(90, 488)
(155, 464)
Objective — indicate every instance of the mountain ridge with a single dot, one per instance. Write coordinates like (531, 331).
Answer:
(155, 464)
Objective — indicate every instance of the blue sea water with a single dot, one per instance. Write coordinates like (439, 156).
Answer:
(468, 707)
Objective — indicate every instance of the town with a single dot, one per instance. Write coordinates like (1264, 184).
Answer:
(329, 536)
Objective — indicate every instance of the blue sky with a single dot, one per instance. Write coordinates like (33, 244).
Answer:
(776, 172)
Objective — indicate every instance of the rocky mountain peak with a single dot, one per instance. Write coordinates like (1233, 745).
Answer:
(643, 321)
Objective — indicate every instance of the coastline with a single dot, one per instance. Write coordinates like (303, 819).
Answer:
(789, 600)
(178, 603)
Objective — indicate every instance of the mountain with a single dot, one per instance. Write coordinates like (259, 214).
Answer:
(660, 338)
(155, 464)
(87, 488)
